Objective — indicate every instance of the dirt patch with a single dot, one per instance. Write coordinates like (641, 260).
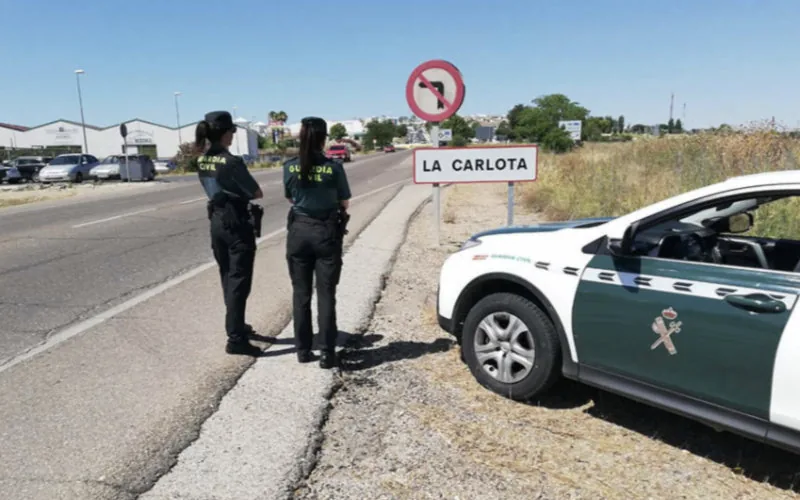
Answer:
(411, 422)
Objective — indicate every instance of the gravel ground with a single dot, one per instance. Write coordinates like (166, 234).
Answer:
(410, 421)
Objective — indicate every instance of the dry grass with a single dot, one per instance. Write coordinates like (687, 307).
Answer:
(613, 179)
(14, 198)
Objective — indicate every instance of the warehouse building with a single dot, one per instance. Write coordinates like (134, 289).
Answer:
(65, 136)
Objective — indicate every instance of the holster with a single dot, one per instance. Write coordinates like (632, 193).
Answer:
(343, 219)
(256, 216)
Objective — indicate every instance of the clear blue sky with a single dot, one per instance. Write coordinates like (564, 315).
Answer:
(731, 61)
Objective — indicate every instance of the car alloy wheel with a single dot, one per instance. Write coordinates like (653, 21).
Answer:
(511, 346)
(504, 347)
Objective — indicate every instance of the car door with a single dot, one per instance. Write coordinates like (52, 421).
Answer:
(707, 331)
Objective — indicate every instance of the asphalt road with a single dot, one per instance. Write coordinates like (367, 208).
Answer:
(61, 262)
(104, 412)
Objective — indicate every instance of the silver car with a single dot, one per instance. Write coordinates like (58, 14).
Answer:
(68, 168)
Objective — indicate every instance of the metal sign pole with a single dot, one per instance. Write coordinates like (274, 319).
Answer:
(127, 168)
(436, 190)
(510, 204)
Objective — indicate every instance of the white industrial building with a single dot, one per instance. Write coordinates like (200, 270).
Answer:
(65, 136)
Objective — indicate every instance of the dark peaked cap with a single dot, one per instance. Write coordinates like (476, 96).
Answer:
(220, 120)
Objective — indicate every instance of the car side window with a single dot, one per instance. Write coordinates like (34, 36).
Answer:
(757, 233)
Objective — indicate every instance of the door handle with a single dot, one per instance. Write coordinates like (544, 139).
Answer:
(756, 302)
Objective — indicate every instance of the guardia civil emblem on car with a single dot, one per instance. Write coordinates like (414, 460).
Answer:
(665, 332)
(689, 276)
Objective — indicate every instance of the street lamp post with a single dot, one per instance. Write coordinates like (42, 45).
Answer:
(78, 73)
(238, 149)
(178, 118)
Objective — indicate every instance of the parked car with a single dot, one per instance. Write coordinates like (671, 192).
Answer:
(27, 167)
(107, 169)
(338, 152)
(165, 165)
(68, 168)
(671, 305)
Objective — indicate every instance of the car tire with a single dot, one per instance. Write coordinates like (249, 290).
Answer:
(528, 383)
(78, 178)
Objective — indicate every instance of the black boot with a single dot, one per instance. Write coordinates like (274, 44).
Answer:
(327, 360)
(304, 356)
(243, 348)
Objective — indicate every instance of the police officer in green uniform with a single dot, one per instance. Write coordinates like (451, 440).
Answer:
(319, 192)
(229, 187)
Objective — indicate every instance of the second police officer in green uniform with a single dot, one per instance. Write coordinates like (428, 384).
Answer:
(319, 192)
(230, 187)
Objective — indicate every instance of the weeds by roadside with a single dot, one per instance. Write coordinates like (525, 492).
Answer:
(613, 179)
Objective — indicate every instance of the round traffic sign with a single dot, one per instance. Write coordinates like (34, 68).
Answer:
(435, 90)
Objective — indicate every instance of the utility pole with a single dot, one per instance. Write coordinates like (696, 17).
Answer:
(178, 119)
(78, 73)
(671, 103)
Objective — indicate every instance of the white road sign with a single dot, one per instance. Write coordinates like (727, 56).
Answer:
(465, 165)
(573, 127)
(445, 135)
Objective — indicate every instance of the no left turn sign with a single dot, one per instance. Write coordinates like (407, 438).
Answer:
(435, 90)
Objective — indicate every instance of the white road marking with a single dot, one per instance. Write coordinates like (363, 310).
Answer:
(193, 200)
(107, 219)
(87, 324)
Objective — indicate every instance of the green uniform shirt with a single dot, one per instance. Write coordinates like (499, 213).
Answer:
(220, 171)
(326, 188)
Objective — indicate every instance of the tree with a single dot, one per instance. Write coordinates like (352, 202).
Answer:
(402, 131)
(670, 126)
(263, 143)
(380, 133)
(461, 129)
(621, 123)
(678, 126)
(338, 131)
(186, 153)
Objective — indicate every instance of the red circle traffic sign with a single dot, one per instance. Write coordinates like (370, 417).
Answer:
(419, 85)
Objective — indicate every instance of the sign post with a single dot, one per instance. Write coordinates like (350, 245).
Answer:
(437, 204)
(123, 131)
(509, 164)
(435, 92)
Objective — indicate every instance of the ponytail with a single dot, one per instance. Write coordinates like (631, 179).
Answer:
(306, 153)
(312, 138)
(206, 132)
(201, 134)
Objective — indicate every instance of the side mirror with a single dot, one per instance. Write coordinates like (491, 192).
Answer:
(739, 223)
(622, 247)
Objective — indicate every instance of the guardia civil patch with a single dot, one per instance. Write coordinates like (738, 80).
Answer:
(664, 331)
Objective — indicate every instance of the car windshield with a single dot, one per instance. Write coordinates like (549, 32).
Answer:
(26, 161)
(110, 159)
(66, 160)
(336, 148)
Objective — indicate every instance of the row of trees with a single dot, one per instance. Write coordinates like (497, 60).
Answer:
(539, 123)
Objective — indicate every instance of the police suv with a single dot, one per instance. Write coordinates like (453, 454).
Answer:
(671, 305)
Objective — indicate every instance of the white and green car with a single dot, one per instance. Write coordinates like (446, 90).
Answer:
(671, 305)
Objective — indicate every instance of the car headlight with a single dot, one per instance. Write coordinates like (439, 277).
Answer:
(469, 244)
